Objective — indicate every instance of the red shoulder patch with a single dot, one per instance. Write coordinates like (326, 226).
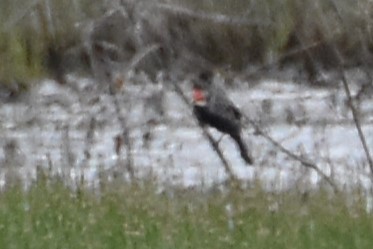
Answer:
(198, 95)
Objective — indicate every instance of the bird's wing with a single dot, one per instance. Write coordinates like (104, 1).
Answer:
(221, 104)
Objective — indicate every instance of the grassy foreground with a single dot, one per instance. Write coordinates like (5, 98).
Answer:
(49, 215)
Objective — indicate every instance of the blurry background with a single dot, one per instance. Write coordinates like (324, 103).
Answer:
(99, 147)
(48, 37)
(282, 62)
(69, 69)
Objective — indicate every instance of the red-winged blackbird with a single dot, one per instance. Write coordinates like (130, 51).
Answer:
(212, 107)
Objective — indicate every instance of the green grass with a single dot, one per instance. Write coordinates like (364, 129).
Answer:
(50, 215)
(25, 40)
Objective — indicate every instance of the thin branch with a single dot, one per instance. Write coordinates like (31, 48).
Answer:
(66, 147)
(21, 13)
(306, 163)
(217, 18)
(354, 111)
(346, 87)
(125, 134)
(102, 63)
(304, 48)
(138, 57)
(102, 66)
(89, 141)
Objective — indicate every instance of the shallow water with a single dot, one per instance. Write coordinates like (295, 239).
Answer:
(49, 128)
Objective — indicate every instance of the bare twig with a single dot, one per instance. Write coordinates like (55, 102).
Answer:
(346, 87)
(20, 14)
(304, 48)
(354, 111)
(89, 141)
(138, 57)
(126, 131)
(217, 18)
(306, 163)
(101, 64)
(66, 149)
(125, 135)
(103, 67)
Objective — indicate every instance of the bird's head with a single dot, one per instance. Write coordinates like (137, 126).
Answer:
(200, 88)
(199, 96)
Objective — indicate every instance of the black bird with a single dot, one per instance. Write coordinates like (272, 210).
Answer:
(212, 107)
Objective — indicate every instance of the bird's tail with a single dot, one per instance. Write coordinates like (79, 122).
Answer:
(243, 150)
